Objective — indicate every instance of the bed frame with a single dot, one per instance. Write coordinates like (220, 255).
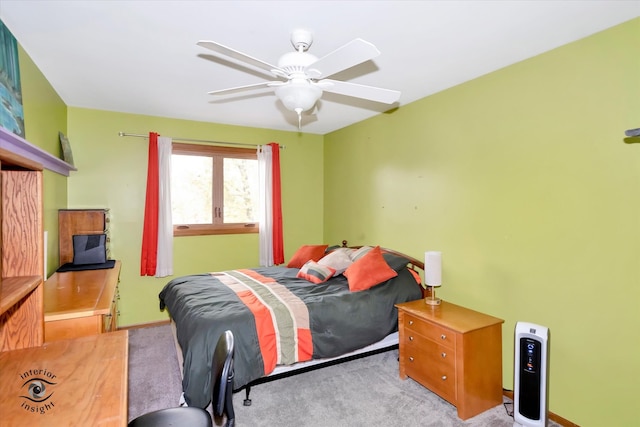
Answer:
(390, 342)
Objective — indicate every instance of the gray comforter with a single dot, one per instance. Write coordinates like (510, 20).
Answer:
(340, 321)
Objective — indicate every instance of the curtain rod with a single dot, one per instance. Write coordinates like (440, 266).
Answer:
(135, 135)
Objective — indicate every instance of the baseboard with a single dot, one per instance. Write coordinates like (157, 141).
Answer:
(145, 325)
(553, 417)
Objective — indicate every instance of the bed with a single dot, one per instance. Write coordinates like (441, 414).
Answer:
(285, 318)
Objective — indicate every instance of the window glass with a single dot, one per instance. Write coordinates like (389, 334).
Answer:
(191, 189)
(214, 190)
(240, 190)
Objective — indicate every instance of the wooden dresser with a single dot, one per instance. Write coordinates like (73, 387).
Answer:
(81, 303)
(78, 382)
(454, 352)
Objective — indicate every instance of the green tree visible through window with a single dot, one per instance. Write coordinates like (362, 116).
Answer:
(240, 190)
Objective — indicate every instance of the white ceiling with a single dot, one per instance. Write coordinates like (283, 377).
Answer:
(141, 56)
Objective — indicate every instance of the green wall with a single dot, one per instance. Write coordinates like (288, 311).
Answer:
(45, 114)
(112, 174)
(523, 180)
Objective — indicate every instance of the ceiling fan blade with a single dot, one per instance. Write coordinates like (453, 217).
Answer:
(239, 56)
(353, 53)
(386, 96)
(243, 88)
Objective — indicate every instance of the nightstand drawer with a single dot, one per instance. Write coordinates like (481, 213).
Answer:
(430, 331)
(432, 365)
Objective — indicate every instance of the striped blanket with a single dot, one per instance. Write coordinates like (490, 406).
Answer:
(276, 319)
(282, 319)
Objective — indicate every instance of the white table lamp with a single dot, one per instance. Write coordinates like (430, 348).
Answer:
(433, 274)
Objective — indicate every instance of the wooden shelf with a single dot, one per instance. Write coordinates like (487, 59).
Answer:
(13, 289)
(22, 150)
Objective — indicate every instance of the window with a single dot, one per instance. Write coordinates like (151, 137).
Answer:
(214, 190)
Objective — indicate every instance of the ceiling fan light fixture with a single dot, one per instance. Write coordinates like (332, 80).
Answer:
(302, 77)
(298, 96)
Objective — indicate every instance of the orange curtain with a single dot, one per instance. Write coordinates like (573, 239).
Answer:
(278, 244)
(148, 260)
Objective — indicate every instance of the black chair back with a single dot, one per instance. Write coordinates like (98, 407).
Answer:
(222, 378)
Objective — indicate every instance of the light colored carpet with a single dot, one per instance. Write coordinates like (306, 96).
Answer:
(363, 392)
(155, 381)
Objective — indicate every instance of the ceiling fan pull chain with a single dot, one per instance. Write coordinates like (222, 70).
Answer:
(299, 111)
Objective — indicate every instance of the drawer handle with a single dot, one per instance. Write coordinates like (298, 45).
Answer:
(410, 358)
(443, 354)
(443, 337)
(410, 322)
(410, 338)
(444, 378)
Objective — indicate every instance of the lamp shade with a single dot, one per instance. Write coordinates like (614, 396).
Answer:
(433, 268)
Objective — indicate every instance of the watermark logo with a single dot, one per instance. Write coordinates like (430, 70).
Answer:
(37, 390)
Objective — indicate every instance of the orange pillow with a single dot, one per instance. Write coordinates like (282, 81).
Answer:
(306, 253)
(368, 271)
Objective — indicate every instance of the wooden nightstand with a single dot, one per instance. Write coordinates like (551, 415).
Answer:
(454, 352)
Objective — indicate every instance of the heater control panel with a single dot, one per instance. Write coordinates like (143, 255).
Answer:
(530, 351)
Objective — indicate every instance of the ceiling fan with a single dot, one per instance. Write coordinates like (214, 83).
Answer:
(302, 76)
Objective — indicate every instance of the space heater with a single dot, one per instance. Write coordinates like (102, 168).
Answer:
(531, 375)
